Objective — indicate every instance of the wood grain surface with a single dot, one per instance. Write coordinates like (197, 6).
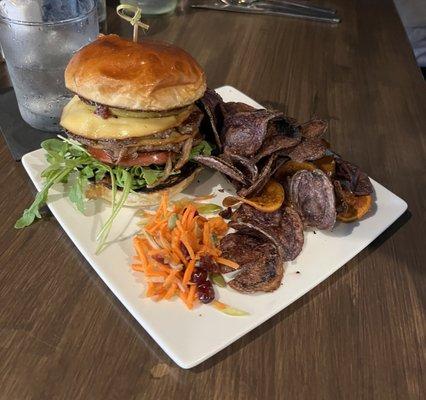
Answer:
(358, 335)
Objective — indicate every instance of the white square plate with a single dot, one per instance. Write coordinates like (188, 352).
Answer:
(190, 337)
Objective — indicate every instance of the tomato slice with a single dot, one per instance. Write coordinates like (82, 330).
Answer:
(100, 155)
(145, 159)
(142, 159)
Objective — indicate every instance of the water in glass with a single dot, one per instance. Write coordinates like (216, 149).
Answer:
(37, 47)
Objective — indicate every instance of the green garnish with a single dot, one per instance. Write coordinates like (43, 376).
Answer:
(171, 223)
(226, 309)
(235, 312)
(208, 208)
(203, 148)
(67, 158)
(218, 279)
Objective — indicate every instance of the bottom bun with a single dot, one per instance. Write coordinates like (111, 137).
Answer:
(140, 199)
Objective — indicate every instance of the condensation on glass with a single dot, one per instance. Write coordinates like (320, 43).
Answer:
(38, 38)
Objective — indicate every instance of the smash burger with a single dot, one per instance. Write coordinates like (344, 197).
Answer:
(134, 108)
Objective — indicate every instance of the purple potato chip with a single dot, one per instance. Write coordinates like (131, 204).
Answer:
(285, 225)
(312, 195)
(246, 165)
(262, 179)
(244, 132)
(315, 128)
(221, 165)
(308, 150)
(211, 103)
(275, 144)
(352, 178)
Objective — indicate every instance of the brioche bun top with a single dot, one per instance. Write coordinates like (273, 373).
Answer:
(148, 76)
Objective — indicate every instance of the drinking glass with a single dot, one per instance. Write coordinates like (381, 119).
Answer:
(38, 38)
(153, 6)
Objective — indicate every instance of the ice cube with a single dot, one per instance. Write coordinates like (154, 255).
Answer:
(59, 10)
(22, 10)
(39, 10)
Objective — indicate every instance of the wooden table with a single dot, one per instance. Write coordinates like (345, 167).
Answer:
(358, 335)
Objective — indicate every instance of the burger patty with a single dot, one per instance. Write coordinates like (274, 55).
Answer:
(141, 159)
(117, 150)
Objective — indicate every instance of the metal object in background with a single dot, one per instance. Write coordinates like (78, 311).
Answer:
(296, 5)
(269, 8)
(153, 7)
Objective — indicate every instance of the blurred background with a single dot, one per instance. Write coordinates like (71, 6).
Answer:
(411, 12)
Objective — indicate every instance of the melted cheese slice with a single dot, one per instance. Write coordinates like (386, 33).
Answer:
(80, 120)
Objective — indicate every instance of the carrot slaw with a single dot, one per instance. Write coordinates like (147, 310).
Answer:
(170, 245)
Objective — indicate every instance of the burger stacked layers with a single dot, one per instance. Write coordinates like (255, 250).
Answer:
(134, 108)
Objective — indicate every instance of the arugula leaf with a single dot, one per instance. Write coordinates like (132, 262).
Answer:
(76, 192)
(51, 170)
(116, 207)
(204, 148)
(100, 173)
(87, 172)
(33, 212)
(151, 175)
(74, 147)
(54, 147)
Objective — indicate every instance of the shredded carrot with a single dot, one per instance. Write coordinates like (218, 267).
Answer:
(218, 225)
(171, 291)
(159, 295)
(182, 296)
(215, 253)
(176, 236)
(187, 245)
(162, 269)
(150, 289)
(206, 235)
(184, 216)
(155, 273)
(176, 250)
(153, 227)
(227, 262)
(188, 272)
(156, 252)
(163, 205)
(171, 278)
(140, 249)
(190, 297)
(137, 267)
(190, 214)
(165, 237)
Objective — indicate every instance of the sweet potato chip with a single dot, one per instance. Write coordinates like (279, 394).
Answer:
(270, 198)
(358, 206)
(327, 165)
(291, 167)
